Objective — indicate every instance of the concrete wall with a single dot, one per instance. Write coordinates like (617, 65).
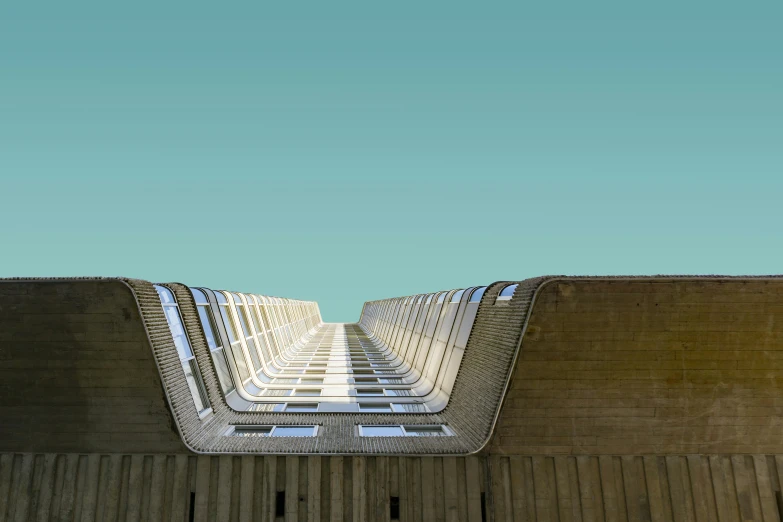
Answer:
(77, 372)
(179, 488)
(648, 367)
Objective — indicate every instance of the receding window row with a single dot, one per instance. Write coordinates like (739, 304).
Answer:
(404, 430)
(259, 343)
(362, 407)
(272, 431)
(428, 333)
(282, 322)
(363, 430)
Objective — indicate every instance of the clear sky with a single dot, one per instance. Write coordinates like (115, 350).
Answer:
(346, 151)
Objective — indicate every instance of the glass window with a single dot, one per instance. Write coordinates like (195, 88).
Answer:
(208, 324)
(243, 319)
(301, 407)
(252, 431)
(223, 371)
(182, 344)
(507, 293)
(475, 297)
(425, 431)
(266, 406)
(367, 392)
(381, 431)
(178, 332)
(455, 298)
(199, 296)
(374, 408)
(294, 431)
(313, 392)
(229, 322)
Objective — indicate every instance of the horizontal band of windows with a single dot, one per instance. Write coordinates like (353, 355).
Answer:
(434, 430)
(273, 431)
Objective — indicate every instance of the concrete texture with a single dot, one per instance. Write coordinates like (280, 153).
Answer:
(76, 370)
(648, 367)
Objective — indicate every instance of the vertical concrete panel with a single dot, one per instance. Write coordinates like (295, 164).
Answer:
(246, 488)
(382, 489)
(314, 489)
(655, 491)
(702, 487)
(21, 490)
(291, 488)
(451, 488)
(428, 488)
(590, 493)
(747, 498)
(680, 489)
(180, 501)
(359, 493)
(614, 501)
(473, 487)
(767, 501)
(336, 481)
(545, 490)
(45, 494)
(637, 502)
(203, 472)
(68, 487)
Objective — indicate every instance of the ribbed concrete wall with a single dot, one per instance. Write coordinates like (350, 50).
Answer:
(514, 489)
(644, 366)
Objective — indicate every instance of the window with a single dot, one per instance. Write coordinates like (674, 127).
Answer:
(274, 431)
(400, 392)
(426, 431)
(295, 431)
(368, 392)
(435, 430)
(213, 341)
(475, 297)
(233, 336)
(381, 431)
(266, 406)
(181, 342)
(507, 293)
(301, 407)
(252, 431)
(313, 392)
(455, 298)
(374, 408)
(248, 334)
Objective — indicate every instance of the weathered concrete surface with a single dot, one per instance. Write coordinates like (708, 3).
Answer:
(77, 372)
(648, 367)
(158, 487)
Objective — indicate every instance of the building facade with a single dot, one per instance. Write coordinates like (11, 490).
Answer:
(553, 398)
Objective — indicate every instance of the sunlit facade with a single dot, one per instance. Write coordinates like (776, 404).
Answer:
(276, 355)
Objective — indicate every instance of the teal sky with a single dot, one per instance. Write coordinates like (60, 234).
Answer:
(346, 151)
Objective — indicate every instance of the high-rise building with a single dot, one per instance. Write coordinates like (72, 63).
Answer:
(553, 398)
